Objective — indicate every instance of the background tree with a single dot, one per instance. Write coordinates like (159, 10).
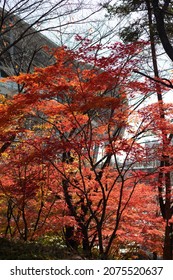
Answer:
(159, 27)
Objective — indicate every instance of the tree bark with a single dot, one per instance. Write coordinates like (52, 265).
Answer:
(167, 252)
(163, 179)
(160, 25)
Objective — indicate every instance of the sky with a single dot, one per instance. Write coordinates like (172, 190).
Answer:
(89, 21)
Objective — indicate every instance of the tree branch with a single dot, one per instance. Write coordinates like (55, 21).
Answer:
(170, 85)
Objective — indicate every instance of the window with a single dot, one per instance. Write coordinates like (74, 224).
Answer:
(3, 74)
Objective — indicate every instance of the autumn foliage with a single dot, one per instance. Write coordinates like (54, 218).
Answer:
(70, 154)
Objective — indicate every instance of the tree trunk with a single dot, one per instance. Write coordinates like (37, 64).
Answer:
(163, 179)
(167, 250)
(160, 24)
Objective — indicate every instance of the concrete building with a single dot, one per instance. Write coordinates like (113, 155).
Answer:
(21, 49)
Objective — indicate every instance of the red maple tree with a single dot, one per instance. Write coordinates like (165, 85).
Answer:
(73, 119)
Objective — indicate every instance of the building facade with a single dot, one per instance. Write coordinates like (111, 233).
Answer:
(21, 49)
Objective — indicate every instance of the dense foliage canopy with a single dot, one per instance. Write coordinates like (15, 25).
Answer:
(73, 160)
